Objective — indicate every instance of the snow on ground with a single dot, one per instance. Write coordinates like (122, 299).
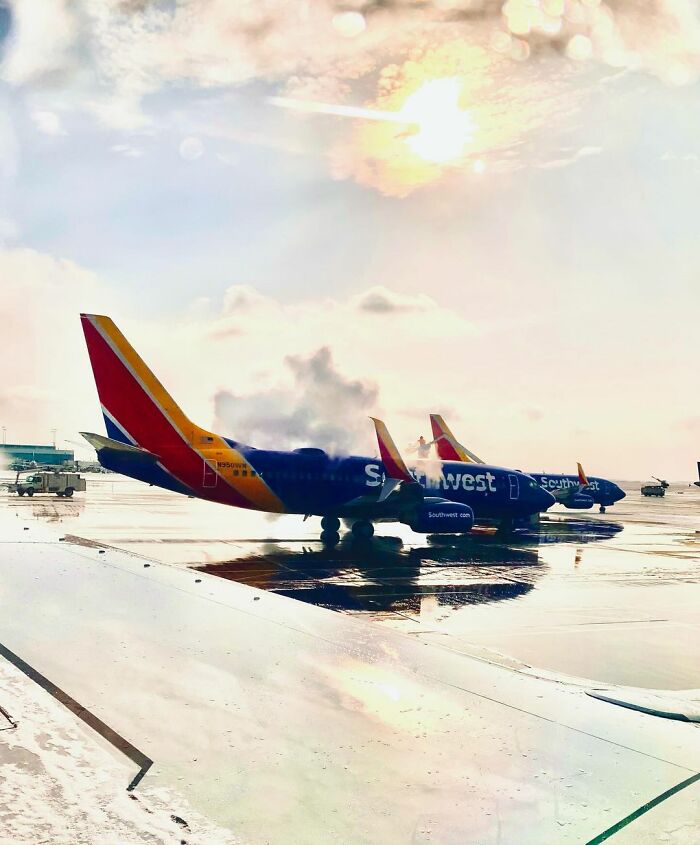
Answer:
(59, 783)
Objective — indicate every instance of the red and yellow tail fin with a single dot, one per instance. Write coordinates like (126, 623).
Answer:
(140, 412)
(583, 480)
(447, 445)
(393, 462)
(136, 407)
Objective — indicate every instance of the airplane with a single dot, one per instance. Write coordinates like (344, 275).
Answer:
(149, 438)
(697, 483)
(577, 492)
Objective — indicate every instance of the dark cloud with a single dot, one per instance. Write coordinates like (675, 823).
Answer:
(5, 21)
(322, 408)
(386, 302)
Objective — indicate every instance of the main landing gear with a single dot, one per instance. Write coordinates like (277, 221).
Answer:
(363, 529)
(329, 533)
(330, 525)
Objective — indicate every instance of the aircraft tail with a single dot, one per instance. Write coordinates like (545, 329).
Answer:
(582, 478)
(137, 409)
(391, 457)
(447, 445)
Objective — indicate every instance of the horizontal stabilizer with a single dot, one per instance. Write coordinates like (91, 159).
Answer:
(99, 442)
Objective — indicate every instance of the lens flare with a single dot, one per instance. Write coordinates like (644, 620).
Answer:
(444, 127)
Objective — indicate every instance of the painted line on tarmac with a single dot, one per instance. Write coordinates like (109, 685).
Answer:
(611, 831)
(84, 715)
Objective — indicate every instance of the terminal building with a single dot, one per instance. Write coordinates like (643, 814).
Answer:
(13, 453)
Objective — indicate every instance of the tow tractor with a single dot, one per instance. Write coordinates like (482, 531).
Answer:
(63, 484)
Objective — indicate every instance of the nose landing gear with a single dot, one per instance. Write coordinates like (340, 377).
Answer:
(602, 509)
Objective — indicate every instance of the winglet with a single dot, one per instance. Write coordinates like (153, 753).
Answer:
(393, 462)
(447, 445)
(583, 480)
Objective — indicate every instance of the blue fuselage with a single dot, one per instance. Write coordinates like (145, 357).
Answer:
(602, 491)
(308, 481)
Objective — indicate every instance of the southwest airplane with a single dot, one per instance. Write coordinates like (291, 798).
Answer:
(151, 439)
(576, 492)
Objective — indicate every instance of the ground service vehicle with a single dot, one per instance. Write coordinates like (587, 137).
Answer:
(60, 483)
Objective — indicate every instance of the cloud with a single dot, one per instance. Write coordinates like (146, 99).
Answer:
(321, 408)
(273, 372)
(381, 300)
(117, 53)
(46, 382)
(48, 122)
(570, 158)
(127, 150)
(43, 42)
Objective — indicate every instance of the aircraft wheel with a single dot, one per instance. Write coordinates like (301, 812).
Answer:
(602, 508)
(505, 527)
(68, 492)
(330, 523)
(30, 492)
(330, 538)
(363, 529)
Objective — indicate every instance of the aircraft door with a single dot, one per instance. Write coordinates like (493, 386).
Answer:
(514, 486)
(210, 477)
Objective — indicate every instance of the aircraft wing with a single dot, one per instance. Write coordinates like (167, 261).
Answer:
(565, 494)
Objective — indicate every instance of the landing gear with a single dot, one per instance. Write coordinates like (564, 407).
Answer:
(363, 529)
(330, 523)
(505, 527)
(330, 538)
(602, 508)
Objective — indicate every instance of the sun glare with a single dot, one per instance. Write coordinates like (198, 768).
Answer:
(443, 127)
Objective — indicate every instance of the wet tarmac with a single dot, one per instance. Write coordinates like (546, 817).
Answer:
(442, 698)
(611, 597)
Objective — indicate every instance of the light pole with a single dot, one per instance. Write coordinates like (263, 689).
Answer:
(53, 432)
(4, 435)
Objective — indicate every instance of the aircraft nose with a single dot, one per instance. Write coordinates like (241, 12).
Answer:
(618, 493)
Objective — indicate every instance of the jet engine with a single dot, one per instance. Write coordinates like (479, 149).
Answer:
(579, 502)
(440, 516)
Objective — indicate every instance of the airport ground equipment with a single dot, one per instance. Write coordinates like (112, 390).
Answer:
(697, 483)
(63, 484)
(658, 490)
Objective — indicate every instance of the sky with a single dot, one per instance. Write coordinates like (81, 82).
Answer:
(303, 213)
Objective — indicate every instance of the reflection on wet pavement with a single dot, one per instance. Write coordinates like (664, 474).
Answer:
(612, 597)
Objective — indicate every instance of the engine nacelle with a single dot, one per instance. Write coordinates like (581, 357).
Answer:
(579, 502)
(440, 516)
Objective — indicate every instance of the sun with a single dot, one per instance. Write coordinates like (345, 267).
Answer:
(443, 127)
